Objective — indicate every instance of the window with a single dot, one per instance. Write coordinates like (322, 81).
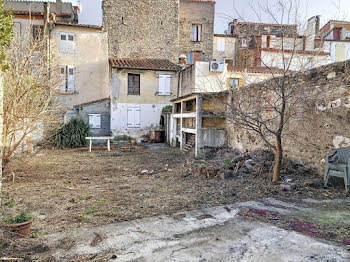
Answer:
(196, 34)
(164, 85)
(220, 44)
(133, 84)
(68, 79)
(234, 83)
(67, 43)
(134, 116)
(17, 27)
(244, 42)
(38, 31)
(347, 33)
(95, 120)
(232, 29)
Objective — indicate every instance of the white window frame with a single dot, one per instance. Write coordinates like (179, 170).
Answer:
(98, 118)
(244, 42)
(67, 46)
(135, 113)
(196, 32)
(164, 85)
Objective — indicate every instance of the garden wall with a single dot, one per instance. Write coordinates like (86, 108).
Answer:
(317, 131)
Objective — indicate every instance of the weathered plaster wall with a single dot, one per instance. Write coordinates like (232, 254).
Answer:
(149, 102)
(227, 51)
(142, 28)
(321, 128)
(90, 60)
(196, 12)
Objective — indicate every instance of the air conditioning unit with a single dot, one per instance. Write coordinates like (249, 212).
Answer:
(216, 66)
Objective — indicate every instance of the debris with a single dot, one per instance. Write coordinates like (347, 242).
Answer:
(144, 171)
(97, 239)
(225, 175)
(288, 180)
(288, 187)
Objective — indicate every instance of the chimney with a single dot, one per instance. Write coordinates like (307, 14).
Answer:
(317, 25)
(58, 7)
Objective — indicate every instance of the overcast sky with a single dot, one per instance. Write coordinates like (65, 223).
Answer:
(248, 10)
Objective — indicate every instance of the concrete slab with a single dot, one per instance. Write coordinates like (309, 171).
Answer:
(212, 234)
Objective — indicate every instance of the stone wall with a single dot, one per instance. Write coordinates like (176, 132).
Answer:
(202, 13)
(324, 121)
(142, 28)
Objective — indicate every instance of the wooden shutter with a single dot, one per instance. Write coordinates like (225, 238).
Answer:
(193, 33)
(161, 84)
(134, 117)
(95, 120)
(167, 87)
(63, 75)
(71, 43)
(71, 79)
(199, 32)
(137, 117)
(221, 44)
(63, 42)
(190, 58)
(131, 117)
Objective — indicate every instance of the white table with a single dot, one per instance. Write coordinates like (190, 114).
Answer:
(108, 138)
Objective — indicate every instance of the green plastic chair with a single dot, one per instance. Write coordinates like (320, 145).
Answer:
(338, 164)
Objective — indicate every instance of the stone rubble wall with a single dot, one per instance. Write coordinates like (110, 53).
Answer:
(142, 28)
(316, 132)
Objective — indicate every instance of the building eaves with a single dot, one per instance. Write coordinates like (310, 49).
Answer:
(276, 50)
(78, 25)
(144, 64)
(92, 102)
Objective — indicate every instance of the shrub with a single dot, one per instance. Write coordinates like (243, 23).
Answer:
(21, 218)
(70, 135)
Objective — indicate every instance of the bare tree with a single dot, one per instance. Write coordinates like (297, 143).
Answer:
(29, 91)
(266, 109)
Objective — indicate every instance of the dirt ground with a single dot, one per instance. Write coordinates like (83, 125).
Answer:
(71, 189)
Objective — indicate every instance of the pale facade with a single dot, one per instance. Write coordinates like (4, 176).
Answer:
(82, 57)
(293, 60)
(224, 47)
(138, 95)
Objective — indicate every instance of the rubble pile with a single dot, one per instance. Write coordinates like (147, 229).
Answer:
(227, 163)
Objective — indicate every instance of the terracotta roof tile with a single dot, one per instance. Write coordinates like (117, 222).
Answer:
(146, 64)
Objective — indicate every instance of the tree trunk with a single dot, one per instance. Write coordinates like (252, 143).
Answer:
(278, 160)
(1, 134)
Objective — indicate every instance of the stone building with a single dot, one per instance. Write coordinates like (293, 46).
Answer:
(196, 29)
(159, 29)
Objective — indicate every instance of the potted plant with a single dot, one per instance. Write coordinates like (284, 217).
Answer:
(132, 141)
(19, 224)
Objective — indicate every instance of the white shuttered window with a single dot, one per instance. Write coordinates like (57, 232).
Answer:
(67, 43)
(220, 44)
(67, 74)
(95, 120)
(164, 85)
(134, 115)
